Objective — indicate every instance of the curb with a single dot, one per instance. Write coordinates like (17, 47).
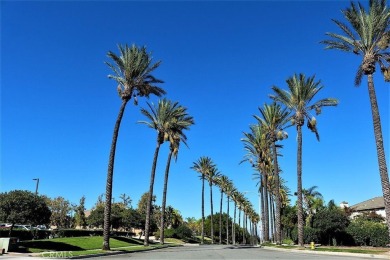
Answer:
(361, 255)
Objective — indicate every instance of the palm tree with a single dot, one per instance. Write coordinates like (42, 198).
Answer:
(230, 189)
(163, 118)
(132, 71)
(223, 182)
(312, 200)
(175, 135)
(203, 166)
(258, 154)
(274, 119)
(212, 175)
(369, 37)
(298, 100)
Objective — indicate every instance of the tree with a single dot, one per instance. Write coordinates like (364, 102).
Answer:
(21, 206)
(369, 37)
(212, 175)
(223, 182)
(163, 118)
(80, 219)
(274, 119)
(132, 71)
(259, 156)
(332, 222)
(298, 100)
(203, 166)
(126, 200)
(312, 202)
(175, 136)
(60, 211)
(142, 208)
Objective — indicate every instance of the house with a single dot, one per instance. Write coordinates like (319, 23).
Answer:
(376, 204)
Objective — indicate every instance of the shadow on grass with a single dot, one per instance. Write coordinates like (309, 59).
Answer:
(47, 245)
(129, 240)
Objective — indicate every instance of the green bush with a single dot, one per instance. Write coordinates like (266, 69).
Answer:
(368, 233)
(288, 241)
(183, 232)
(309, 235)
(170, 233)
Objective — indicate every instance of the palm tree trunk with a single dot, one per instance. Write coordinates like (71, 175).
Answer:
(299, 189)
(211, 207)
(220, 219)
(380, 149)
(164, 199)
(227, 222)
(149, 206)
(271, 217)
(266, 208)
(233, 225)
(244, 227)
(277, 186)
(239, 223)
(110, 173)
(202, 241)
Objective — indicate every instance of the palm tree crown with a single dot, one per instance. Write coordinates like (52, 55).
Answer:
(369, 37)
(298, 100)
(132, 72)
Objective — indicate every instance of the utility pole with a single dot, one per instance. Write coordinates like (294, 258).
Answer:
(36, 187)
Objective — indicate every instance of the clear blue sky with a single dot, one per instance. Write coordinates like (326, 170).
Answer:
(220, 59)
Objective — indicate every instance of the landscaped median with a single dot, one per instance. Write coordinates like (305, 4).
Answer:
(80, 246)
(339, 250)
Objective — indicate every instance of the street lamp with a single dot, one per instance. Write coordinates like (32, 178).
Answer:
(36, 187)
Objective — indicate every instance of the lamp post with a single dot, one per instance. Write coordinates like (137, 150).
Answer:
(36, 187)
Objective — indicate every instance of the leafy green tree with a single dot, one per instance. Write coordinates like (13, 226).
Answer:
(332, 222)
(80, 219)
(96, 217)
(24, 207)
(368, 35)
(142, 208)
(132, 71)
(60, 212)
(299, 100)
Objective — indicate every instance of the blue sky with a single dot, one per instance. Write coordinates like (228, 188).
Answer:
(219, 59)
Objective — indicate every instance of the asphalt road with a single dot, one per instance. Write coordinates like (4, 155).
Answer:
(228, 252)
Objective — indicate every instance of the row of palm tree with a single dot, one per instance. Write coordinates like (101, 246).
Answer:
(369, 37)
(209, 172)
(132, 71)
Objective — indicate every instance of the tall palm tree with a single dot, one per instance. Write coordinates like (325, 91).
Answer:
(298, 99)
(258, 153)
(203, 166)
(175, 135)
(212, 175)
(230, 189)
(163, 117)
(223, 182)
(132, 71)
(369, 37)
(274, 119)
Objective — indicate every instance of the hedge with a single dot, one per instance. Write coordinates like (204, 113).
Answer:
(368, 233)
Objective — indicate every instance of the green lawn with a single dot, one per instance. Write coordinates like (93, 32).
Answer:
(75, 244)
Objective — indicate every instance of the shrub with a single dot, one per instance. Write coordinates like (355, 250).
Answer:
(309, 235)
(183, 232)
(368, 233)
(288, 241)
(170, 233)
